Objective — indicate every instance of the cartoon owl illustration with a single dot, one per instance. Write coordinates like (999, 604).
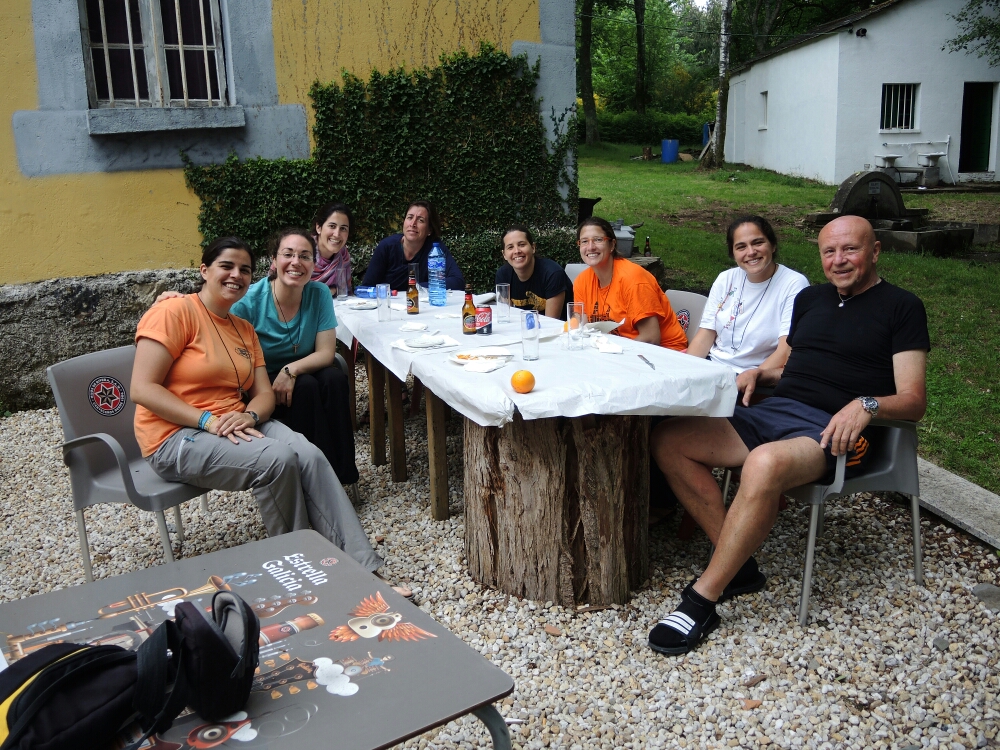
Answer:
(372, 619)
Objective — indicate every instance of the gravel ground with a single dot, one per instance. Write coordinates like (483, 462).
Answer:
(882, 663)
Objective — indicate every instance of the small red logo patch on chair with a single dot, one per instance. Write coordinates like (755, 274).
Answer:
(107, 396)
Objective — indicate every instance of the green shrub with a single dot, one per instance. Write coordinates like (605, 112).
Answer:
(466, 134)
(647, 129)
(253, 198)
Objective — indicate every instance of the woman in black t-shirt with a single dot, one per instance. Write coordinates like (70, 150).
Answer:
(535, 283)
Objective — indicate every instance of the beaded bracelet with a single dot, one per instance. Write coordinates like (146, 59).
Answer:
(211, 420)
(203, 422)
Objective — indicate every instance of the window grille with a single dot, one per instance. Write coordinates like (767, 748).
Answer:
(154, 53)
(899, 106)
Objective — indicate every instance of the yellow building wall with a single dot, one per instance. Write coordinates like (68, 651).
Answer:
(86, 224)
(314, 40)
(81, 224)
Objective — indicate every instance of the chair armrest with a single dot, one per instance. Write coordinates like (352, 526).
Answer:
(903, 424)
(120, 457)
(838, 477)
(341, 363)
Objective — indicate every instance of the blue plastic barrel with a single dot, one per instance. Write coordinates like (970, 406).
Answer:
(670, 149)
(706, 132)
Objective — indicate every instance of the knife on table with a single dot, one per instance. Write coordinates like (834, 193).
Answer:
(647, 361)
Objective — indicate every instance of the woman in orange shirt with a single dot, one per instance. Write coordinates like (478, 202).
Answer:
(203, 407)
(614, 288)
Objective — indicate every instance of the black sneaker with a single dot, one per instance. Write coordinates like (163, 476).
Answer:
(748, 580)
(685, 627)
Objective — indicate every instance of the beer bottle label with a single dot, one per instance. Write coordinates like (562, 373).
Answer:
(469, 323)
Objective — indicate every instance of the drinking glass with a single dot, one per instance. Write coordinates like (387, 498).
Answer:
(423, 294)
(382, 298)
(503, 303)
(576, 319)
(530, 328)
(343, 279)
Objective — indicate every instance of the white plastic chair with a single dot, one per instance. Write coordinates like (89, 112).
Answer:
(688, 307)
(104, 460)
(575, 269)
(891, 468)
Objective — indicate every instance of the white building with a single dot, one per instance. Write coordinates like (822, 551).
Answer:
(828, 103)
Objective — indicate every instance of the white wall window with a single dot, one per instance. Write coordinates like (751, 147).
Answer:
(763, 111)
(153, 53)
(899, 106)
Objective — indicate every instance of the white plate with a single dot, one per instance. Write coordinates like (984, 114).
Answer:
(424, 342)
(362, 304)
(604, 326)
(485, 354)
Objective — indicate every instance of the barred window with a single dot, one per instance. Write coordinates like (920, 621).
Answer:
(899, 106)
(154, 53)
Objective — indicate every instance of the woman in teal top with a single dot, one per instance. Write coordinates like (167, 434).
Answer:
(297, 328)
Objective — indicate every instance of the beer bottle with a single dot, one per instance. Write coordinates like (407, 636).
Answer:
(468, 312)
(648, 252)
(412, 298)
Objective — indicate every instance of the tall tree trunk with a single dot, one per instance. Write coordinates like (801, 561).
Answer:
(763, 18)
(715, 156)
(640, 56)
(586, 72)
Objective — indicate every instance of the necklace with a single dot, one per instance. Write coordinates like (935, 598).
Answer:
(239, 384)
(284, 322)
(602, 299)
(739, 303)
(844, 300)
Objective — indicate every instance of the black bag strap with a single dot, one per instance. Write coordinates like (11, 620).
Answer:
(153, 700)
(14, 677)
(222, 608)
(75, 671)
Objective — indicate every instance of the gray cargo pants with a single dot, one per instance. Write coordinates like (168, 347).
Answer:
(293, 483)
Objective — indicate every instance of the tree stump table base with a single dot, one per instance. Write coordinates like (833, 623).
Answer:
(557, 509)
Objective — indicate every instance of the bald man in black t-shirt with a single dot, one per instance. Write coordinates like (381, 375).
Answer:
(859, 349)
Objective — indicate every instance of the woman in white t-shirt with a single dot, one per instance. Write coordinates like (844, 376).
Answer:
(749, 310)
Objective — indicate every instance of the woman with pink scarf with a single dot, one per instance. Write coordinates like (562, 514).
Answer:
(332, 228)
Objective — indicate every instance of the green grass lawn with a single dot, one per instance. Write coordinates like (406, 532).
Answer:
(686, 212)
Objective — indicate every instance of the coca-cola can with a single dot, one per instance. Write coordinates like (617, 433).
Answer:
(484, 320)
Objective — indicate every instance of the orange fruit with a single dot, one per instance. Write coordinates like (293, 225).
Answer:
(522, 381)
(574, 323)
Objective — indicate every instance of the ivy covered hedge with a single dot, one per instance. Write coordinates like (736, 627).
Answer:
(646, 129)
(466, 134)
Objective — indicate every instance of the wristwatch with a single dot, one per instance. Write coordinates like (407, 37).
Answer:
(869, 404)
(256, 419)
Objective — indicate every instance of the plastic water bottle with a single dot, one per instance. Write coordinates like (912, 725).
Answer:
(437, 293)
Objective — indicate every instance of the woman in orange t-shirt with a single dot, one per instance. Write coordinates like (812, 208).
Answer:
(614, 288)
(203, 406)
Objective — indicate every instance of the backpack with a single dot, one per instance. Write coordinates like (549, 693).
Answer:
(66, 696)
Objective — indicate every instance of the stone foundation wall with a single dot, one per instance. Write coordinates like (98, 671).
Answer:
(49, 321)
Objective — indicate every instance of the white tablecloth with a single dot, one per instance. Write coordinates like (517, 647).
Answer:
(567, 383)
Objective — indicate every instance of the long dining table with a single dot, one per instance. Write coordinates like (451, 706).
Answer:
(556, 479)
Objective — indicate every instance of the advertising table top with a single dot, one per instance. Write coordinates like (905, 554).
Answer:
(345, 662)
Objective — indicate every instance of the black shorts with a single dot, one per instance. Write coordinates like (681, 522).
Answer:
(777, 418)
